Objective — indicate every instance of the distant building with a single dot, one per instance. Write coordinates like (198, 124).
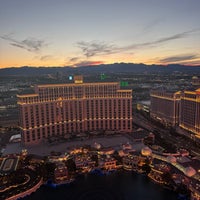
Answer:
(190, 111)
(195, 81)
(165, 106)
(177, 108)
(144, 106)
(65, 109)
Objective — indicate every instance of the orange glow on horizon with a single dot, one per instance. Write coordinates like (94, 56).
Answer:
(107, 59)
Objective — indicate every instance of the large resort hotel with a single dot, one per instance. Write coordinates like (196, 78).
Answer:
(65, 109)
(175, 108)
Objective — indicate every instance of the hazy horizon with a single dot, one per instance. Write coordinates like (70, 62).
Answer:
(96, 65)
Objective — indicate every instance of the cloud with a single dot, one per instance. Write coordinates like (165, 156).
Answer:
(16, 45)
(173, 37)
(151, 25)
(87, 63)
(93, 48)
(29, 44)
(74, 59)
(80, 61)
(159, 41)
(179, 58)
(46, 57)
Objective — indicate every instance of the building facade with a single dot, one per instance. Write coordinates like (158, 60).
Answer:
(64, 109)
(190, 111)
(165, 106)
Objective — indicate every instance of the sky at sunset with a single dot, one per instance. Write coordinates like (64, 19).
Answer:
(89, 32)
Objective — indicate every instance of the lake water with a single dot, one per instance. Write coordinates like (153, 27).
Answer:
(117, 186)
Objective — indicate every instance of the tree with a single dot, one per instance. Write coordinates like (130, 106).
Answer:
(49, 169)
(167, 177)
(71, 165)
(117, 157)
(146, 169)
(95, 158)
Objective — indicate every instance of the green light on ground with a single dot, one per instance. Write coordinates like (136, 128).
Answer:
(103, 76)
(123, 83)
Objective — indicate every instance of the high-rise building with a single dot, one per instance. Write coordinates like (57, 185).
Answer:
(64, 109)
(190, 111)
(165, 106)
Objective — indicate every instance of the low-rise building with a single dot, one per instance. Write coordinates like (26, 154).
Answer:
(60, 172)
(134, 162)
(158, 172)
(84, 162)
(108, 163)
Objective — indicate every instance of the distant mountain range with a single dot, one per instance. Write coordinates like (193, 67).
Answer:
(104, 68)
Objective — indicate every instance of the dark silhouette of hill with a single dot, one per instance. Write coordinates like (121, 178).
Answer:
(104, 68)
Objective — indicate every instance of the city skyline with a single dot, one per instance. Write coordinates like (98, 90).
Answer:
(77, 33)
